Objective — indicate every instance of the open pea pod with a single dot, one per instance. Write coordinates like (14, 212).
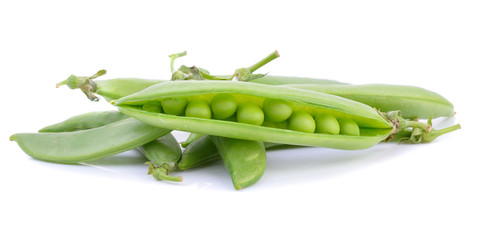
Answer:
(373, 126)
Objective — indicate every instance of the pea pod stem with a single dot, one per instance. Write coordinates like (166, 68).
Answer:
(416, 124)
(264, 61)
(241, 74)
(173, 58)
(245, 74)
(161, 173)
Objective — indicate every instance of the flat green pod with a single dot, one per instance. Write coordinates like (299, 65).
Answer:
(88, 145)
(411, 101)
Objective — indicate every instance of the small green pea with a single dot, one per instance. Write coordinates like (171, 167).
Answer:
(152, 107)
(223, 106)
(198, 108)
(250, 113)
(326, 123)
(301, 121)
(276, 110)
(174, 106)
(348, 127)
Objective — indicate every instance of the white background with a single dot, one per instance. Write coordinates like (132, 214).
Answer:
(390, 191)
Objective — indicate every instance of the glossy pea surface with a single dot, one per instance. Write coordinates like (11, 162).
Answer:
(348, 127)
(250, 113)
(223, 106)
(199, 109)
(152, 107)
(276, 110)
(302, 122)
(174, 106)
(326, 123)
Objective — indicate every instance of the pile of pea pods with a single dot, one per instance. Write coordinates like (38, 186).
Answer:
(235, 118)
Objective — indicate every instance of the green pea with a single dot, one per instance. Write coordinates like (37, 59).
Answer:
(276, 110)
(152, 107)
(223, 106)
(348, 127)
(326, 123)
(250, 113)
(174, 106)
(301, 121)
(199, 109)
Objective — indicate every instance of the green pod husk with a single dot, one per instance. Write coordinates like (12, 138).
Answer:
(85, 121)
(413, 102)
(245, 160)
(203, 151)
(163, 153)
(375, 127)
(120, 87)
(88, 145)
(198, 153)
(109, 89)
(282, 80)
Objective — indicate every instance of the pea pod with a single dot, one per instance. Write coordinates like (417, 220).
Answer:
(199, 152)
(190, 139)
(164, 154)
(109, 89)
(245, 160)
(88, 145)
(203, 151)
(413, 102)
(374, 126)
(282, 80)
(85, 121)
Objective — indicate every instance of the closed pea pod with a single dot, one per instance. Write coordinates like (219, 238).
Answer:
(109, 89)
(203, 151)
(283, 80)
(88, 145)
(163, 153)
(190, 139)
(245, 160)
(85, 121)
(412, 102)
(198, 153)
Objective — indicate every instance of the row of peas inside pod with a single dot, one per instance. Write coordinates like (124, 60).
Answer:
(257, 111)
